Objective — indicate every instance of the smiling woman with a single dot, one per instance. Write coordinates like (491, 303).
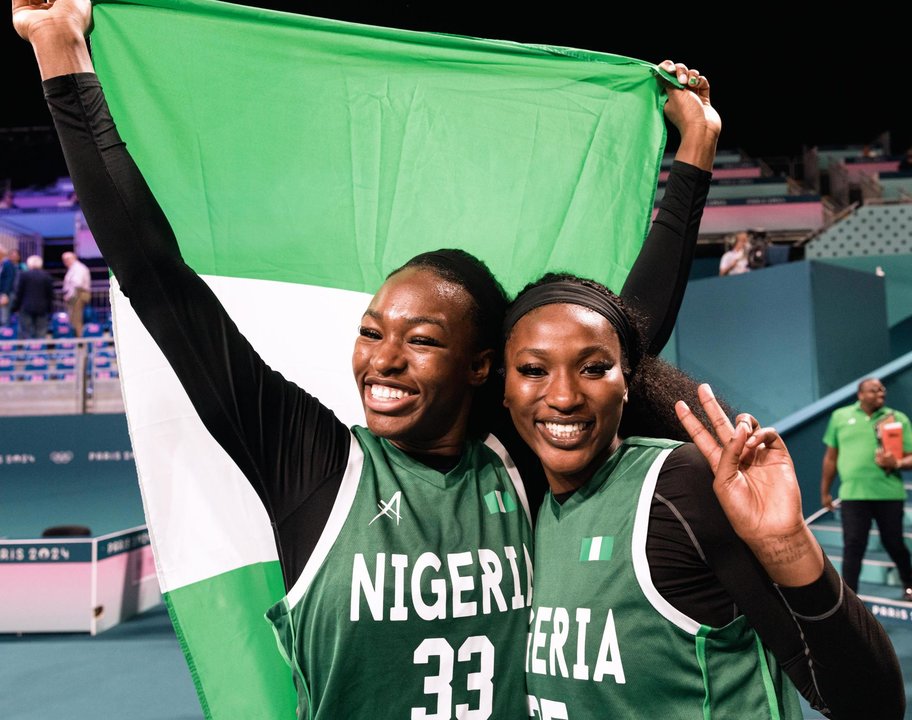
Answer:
(418, 352)
(405, 544)
(567, 390)
(659, 593)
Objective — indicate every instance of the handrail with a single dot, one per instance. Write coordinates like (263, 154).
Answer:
(90, 364)
(838, 217)
(838, 397)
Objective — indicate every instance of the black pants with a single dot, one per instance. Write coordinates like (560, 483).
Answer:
(856, 525)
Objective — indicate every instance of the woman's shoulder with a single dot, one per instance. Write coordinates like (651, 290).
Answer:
(686, 471)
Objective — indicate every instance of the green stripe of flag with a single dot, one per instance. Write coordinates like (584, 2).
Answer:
(208, 629)
(353, 148)
(596, 548)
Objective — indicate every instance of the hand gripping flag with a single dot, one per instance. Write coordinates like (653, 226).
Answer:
(299, 160)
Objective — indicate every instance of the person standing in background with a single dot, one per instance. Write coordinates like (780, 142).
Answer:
(77, 289)
(735, 261)
(34, 299)
(871, 487)
(9, 269)
(16, 259)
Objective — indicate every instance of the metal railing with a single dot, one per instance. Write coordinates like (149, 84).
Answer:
(60, 376)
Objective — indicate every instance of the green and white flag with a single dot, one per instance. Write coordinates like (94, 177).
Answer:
(498, 502)
(596, 548)
(299, 161)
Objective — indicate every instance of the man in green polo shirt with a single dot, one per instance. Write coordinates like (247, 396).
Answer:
(871, 487)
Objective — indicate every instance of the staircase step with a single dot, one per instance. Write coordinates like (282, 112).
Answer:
(830, 536)
(874, 571)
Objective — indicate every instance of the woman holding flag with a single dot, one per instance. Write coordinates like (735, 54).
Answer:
(405, 544)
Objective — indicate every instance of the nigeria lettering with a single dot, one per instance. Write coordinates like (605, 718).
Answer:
(461, 584)
(546, 648)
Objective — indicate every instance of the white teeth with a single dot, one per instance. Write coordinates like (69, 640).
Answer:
(385, 392)
(564, 430)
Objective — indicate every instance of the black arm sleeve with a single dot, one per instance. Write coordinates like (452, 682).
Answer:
(833, 649)
(838, 626)
(291, 448)
(658, 278)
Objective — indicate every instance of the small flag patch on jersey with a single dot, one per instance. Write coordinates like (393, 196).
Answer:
(596, 548)
(499, 502)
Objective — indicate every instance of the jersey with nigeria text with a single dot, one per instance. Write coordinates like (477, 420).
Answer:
(603, 642)
(426, 573)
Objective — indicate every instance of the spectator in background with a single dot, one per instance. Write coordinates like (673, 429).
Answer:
(16, 259)
(735, 261)
(8, 273)
(34, 299)
(871, 487)
(18, 267)
(77, 289)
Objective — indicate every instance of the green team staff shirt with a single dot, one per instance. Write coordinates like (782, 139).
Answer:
(854, 434)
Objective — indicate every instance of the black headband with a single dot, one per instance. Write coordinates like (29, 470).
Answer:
(575, 294)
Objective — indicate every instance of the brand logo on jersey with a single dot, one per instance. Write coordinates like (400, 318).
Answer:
(596, 548)
(390, 509)
(498, 502)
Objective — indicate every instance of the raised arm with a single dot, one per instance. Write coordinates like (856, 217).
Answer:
(658, 278)
(755, 483)
(286, 443)
(57, 33)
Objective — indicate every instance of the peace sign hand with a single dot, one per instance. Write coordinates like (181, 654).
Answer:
(757, 488)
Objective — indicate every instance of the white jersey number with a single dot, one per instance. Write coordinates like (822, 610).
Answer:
(441, 683)
(546, 709)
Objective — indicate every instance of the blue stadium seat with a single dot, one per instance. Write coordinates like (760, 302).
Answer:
(60, 325)
(35, 377)
(36, 363)
(66, 362)
(92, 330)
(7, 369)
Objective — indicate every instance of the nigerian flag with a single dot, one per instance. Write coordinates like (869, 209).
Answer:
(299, 161)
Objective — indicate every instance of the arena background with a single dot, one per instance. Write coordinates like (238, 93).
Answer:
(780, 81)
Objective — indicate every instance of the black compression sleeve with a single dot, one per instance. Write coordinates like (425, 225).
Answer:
(291, 448)
(658, 278)
(838, 626)
(701, 567)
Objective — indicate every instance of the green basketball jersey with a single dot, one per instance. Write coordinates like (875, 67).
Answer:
(604, 644)
(415, 602)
